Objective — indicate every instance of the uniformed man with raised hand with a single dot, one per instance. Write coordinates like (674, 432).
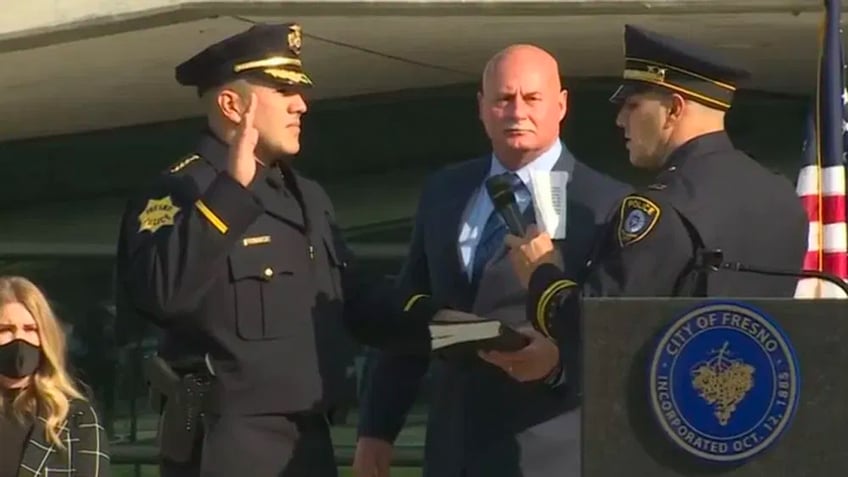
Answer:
(238, 258)
(707, 195)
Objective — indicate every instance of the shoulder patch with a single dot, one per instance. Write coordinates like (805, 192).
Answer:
(178, 166)
(157, 213)
(638, 216)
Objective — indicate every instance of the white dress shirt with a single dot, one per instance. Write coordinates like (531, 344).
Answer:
(481, 206)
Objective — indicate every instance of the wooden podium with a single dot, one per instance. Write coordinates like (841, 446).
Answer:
(694, 387)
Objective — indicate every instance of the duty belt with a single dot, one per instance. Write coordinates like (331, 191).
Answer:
(183, 395)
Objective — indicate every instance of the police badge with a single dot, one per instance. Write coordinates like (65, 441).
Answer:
(295, 39)
(157, 213)
(637, 217)
(724, 382)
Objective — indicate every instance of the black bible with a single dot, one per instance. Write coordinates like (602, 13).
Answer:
(454, 332)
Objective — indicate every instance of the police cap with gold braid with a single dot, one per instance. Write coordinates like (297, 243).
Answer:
(269, 54)
(653, 60)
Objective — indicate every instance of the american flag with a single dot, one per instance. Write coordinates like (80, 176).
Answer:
(821, 181)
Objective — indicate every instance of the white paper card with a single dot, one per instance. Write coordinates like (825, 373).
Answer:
(549, 201)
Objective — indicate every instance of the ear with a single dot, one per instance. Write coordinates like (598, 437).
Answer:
(231, 105)
(480, 104)
(563, 103)
(676, 107)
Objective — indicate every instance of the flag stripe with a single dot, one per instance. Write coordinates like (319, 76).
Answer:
(828, 209)
(832, 181)
(834, 238)
(830, 238)
(833, 261)
(815, 288)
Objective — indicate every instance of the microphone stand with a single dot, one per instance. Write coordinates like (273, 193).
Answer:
(713, 260)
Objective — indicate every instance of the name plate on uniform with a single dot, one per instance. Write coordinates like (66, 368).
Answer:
(549, 201)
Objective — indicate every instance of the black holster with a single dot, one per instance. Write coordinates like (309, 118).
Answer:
(180, 398)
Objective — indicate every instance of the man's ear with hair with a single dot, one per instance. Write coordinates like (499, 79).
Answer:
(675, 105)
(231, 100)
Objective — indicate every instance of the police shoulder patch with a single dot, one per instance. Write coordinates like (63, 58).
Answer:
(724, 381)
(638, 216)
(179, 165)
(157, 213)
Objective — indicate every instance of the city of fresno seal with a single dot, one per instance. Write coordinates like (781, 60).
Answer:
(724, 382)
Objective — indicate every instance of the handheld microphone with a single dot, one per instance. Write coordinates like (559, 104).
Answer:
(502, 196)
(713, 260)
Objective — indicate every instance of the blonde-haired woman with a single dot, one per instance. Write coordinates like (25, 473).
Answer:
(47, 427)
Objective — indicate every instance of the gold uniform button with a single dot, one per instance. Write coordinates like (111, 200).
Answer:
(268, 272)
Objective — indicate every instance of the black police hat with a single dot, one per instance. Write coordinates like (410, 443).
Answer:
(653, 60)
(266, 53)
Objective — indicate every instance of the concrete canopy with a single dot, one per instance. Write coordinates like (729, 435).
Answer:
(96, 64)
(84, 65)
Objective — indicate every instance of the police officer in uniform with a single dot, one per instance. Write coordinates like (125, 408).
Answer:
(238, 259)
(707, 195)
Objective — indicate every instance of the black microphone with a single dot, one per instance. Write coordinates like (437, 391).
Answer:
(502, 196)
(713, 260)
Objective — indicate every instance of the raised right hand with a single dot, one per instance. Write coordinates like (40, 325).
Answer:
(373, 457)
(242, 158)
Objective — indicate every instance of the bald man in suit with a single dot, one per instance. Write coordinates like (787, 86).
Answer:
(488, 419)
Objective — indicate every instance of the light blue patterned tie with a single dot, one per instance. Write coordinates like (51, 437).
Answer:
(492, 237)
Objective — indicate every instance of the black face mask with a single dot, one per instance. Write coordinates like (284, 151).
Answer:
(19, 359)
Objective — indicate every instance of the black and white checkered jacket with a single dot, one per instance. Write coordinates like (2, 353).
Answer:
(86, 452)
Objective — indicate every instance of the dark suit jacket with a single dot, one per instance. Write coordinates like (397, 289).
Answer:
(86, 452)
(475, 405)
